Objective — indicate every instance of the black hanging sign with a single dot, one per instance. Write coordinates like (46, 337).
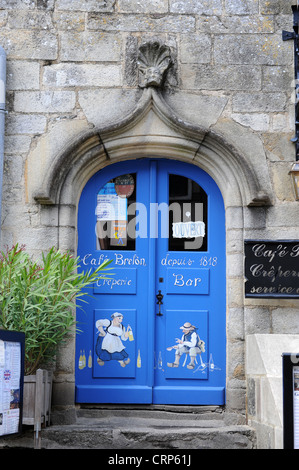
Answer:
(272, 268)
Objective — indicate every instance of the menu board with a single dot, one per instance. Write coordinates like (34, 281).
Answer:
(290, 376)
(296, 405)
(11, 381)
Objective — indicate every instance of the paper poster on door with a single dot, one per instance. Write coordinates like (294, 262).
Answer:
(187, 348)
(109, 205)
(114, 343)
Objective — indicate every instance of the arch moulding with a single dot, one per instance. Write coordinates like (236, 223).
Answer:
(153, 129)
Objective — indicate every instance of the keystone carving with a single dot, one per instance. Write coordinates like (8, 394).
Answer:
(153, 61)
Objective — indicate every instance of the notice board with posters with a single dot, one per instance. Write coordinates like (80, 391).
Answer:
(12, 352)
(290, 376)
(272, 268)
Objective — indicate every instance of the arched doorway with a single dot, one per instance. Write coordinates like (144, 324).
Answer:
(155, 331)
(237, 165)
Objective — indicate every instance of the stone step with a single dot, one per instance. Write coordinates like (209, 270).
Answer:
(153, 412)
(137, 434)
(144, 427)
(149, 427)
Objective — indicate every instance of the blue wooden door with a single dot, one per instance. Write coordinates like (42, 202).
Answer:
(154, 332)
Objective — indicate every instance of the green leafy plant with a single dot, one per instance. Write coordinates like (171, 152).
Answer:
(39, 299)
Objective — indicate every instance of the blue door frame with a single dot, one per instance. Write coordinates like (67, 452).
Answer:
(179, 356)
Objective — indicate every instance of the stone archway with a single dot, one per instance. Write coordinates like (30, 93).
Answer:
(230, 154)
(153, 129)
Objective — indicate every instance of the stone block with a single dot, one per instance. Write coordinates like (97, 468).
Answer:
(136, 23)
(271, 401)
(67, 215)
(25, 124)
(22, 75)
(209, 77)
(35, 20)
(67, 238)
(257, 320)
(254, 49)
(15, 215)
(44, 101)
(256, 121)
(234, 264)
(6, 238)
(232, 24)
(131, 69)
(106, 6)
(241, 7)
(235, 289)
(37, 238)
(12, 191)
(263, 353)
(278, 216)
(272, 7)
(235, 324)
(98, 108)
(251, 396)
(196, 48)
(45, 4)
(63, 393)
(234, 240)
(250, 146)
(60, 135)
(90, 46)
(202, 7)
(136, 6)
(277, 78)
(17, 144)
(3, 18)
(280, 124)
(82, 75)
(258, 102)
(69, 21)
(23, 44)
(49, 216)
(278, 147)
(17, 4)
(285, 319)
(265, 435)
(234, 217)
(254, 217)
(282, 181)
(202, 110)
(235, 399)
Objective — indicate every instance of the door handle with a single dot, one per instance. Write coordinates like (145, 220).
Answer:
(159, 297)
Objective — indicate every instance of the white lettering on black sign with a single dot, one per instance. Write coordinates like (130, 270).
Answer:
(272, 268)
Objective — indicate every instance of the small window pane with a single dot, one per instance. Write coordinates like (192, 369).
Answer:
(116, 207)
(188, 223)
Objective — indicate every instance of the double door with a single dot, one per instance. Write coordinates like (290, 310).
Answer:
(153, 331)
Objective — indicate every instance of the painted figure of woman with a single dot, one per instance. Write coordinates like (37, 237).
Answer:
(109, 344)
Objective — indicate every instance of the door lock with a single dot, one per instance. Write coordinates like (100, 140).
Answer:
(159, 297)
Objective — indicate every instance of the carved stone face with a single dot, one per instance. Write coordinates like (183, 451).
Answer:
(153, 61)
(153, 76)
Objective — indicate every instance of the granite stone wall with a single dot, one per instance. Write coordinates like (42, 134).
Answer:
(72, 67)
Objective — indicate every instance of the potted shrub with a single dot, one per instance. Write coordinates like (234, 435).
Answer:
(38, 298)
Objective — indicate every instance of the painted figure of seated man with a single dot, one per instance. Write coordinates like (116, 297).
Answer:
(190, 343)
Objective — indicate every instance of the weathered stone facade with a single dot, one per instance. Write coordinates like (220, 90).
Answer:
(73, 83)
